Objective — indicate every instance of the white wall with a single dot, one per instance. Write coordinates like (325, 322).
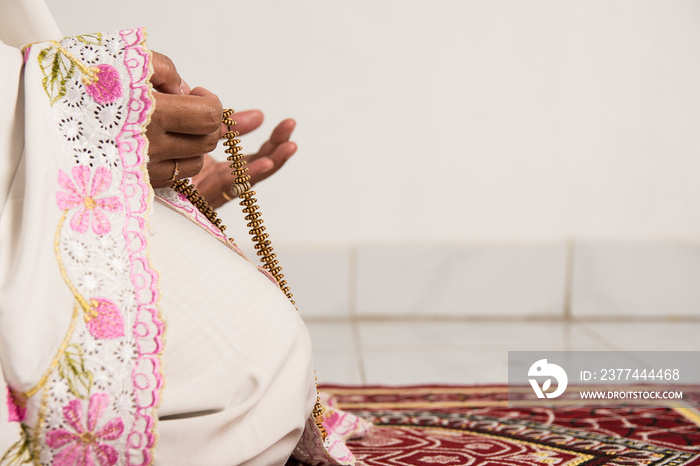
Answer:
(452, 120)
(470, 159)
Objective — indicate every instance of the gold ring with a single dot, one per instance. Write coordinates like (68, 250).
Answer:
(175, 172)
(226, 196)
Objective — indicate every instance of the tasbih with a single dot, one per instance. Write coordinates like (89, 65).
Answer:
(242, 188)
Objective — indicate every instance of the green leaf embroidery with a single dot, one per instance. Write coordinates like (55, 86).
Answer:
(57, 69)
(72, 369)
(91, 39)
(20, 452)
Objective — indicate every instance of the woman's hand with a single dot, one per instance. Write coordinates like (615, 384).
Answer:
(215, 177)
(185, 125)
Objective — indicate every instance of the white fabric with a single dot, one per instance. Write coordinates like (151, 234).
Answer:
(20, 22)
(25, 21)
(237, 362)
(239, 381)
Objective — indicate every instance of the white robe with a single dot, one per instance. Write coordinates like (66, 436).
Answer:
(239, 382)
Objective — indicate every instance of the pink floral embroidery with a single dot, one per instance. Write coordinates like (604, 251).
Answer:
(104, 319)
(338, 450)
(345, 425)
(16, 406)
(103, 84)
(85, 200)
(84, 445)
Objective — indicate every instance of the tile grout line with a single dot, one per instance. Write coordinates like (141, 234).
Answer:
(352, 312)
(352, 283)
(569, 280)
(355, 329)
(586, 328)
(502, 319)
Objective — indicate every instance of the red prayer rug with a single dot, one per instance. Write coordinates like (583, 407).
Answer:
(450, 425)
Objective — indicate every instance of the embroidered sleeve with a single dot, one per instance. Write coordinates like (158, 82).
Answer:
(96, 401)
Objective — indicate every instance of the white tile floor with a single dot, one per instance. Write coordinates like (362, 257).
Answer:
(471, 352)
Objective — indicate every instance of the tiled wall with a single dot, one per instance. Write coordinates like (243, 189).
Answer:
(581, 280)
(636, 280)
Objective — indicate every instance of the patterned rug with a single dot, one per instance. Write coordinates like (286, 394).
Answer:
(443, 425)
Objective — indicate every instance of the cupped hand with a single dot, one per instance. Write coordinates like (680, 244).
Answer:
(185, 124)
(216, 178)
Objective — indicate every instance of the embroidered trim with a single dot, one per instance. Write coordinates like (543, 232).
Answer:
(179, 203)
(149, 322)
(108, 365)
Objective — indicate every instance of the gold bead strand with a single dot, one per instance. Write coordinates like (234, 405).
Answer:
(242, 188)
(192, 195)
(257, 230)
(264, 248)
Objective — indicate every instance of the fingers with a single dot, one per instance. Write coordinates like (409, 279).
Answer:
(261, 169)
(167, 146)
(283, 131)
(183, 126)
(165, 77)
(246, 121)
(163, 173)
(216, 178)
(281, 134)
(274, 153)
(186, 89)
(197, 113)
